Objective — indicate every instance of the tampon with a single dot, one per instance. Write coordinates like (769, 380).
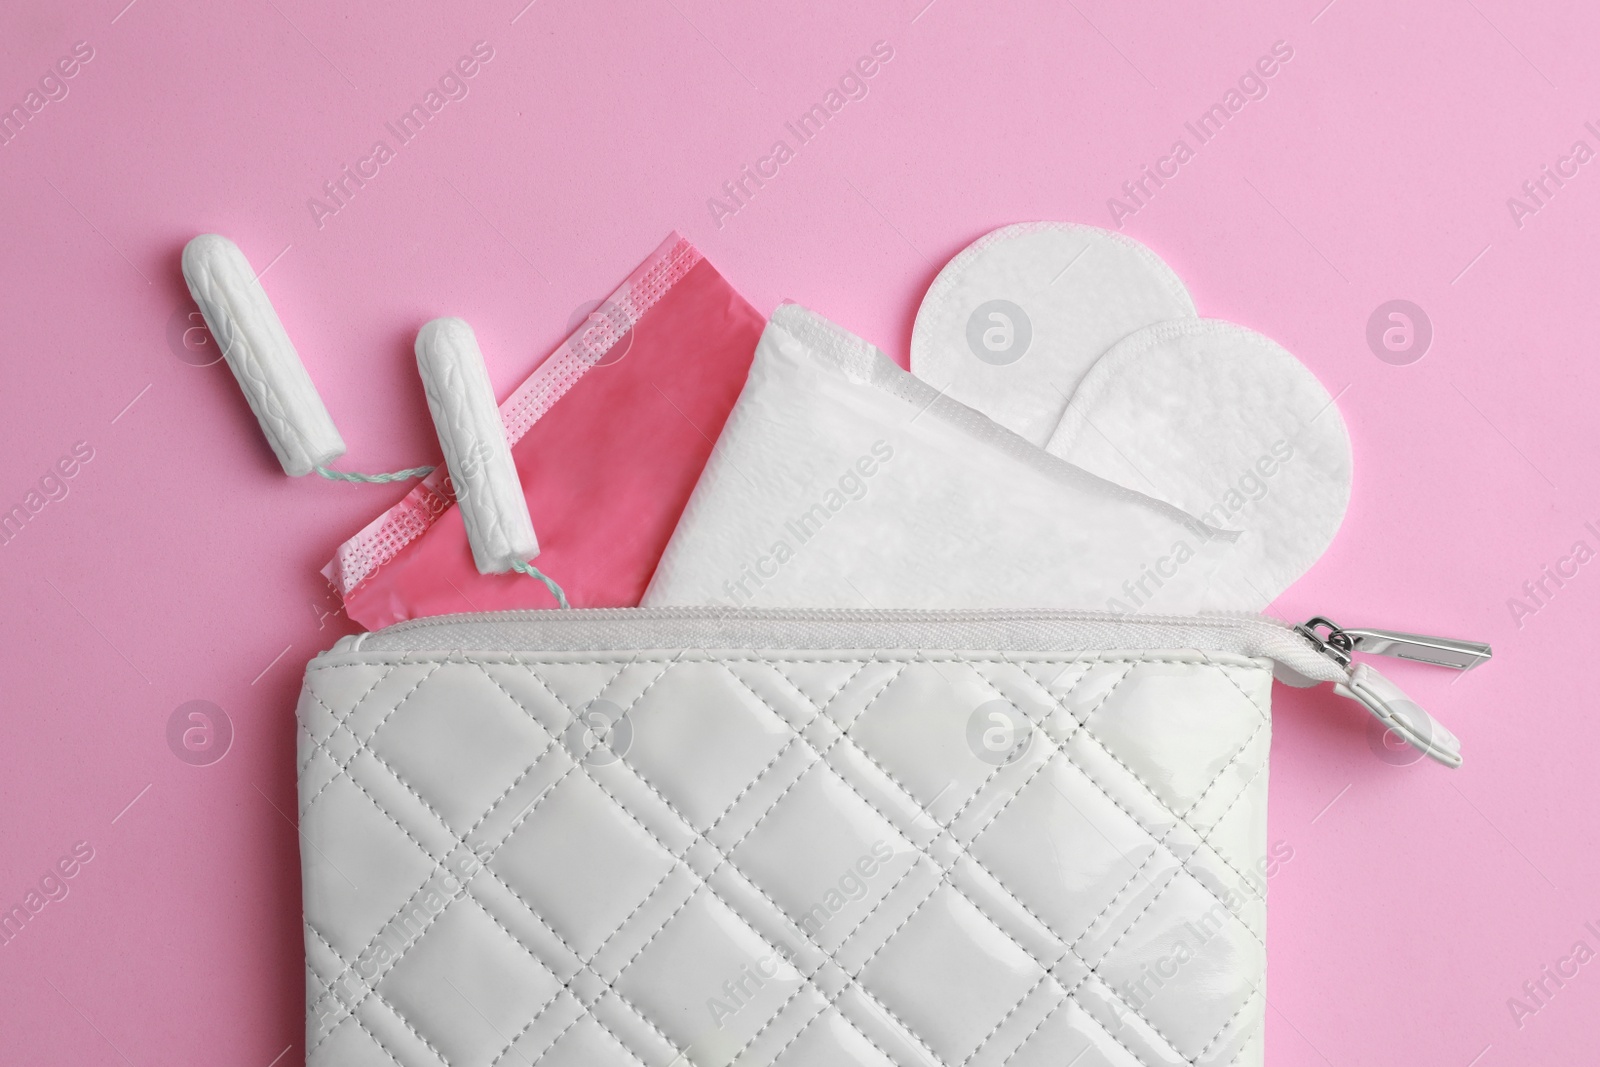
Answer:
(488, 491)
(256, 347)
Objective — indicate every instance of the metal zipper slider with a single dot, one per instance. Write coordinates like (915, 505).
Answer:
(1341, 641)
(1383, 698)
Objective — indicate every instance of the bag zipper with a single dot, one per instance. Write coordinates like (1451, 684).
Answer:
(1314, 651)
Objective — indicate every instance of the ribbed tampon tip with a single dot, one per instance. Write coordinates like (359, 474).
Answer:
(472, 437)
(246, 328)
(204, 249)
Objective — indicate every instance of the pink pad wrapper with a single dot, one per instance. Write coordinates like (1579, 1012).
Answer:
(644, 386)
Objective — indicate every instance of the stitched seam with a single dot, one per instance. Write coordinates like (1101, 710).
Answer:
(944, 879)
(1066, 999)
(536, 1017)
(855, 975)
(582, 1014)
(678, 861)
(726, 857)
(512, 889)
(372, 991)
(1249, 997)
(586, 1013)
(1205, 838)
(1046, 976)
(1234, 803)
(463, 894)
(1011, 895)
(965, 851)
(1135, 775)
(1237, 1056)
(516, 824)
(549, 746)
(889, 774)
(1061, 748)
(1123, 1045)
(945, 872)
(484, 868)
(821, 711)
(947, 827)
(992, 774)
(535, 659)
(1222, 668)
(361, 745)
(1160, 845)
(808, 980)
(1160, 842)
(825, 1009)
(338, 720)
(859, 747)
(704, 882)
(821, 757)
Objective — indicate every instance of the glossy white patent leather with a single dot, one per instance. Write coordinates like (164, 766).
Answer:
(803, 855)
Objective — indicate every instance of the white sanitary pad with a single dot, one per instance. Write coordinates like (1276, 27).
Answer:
(1223, 423)
(1013, 323)
(842, 481)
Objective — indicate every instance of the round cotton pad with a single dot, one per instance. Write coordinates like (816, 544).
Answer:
(1230, 427)
(1014, 321)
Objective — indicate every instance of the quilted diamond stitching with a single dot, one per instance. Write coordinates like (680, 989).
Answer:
(975, 794)
(485, 868)
(1063, 1002)
(1060, 751)
(371, 986)
(809, 979)
(320, 746)
(846, 782)
(944, 881)
(1179, 818)
(821, 758)
(1047, 968)
(372, 991)
(1248, 1000)
(1223, 815)
(1161, 844)
(531, 1023)
(344, 768)
(725, 855)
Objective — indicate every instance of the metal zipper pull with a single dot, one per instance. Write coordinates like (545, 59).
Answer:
(1385, 700)
(1341, 641)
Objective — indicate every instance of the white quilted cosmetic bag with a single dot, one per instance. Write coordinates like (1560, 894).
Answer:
(688, 836)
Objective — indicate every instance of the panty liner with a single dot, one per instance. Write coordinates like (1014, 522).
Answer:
(842, 481)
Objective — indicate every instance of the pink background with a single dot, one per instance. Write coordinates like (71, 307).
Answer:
(183, 565)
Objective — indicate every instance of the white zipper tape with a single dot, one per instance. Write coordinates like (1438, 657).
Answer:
(1302, 651)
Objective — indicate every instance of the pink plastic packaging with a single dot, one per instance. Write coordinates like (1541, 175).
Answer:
(644, 386)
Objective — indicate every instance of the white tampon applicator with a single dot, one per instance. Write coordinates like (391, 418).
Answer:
(258, 351)
(488, 491)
